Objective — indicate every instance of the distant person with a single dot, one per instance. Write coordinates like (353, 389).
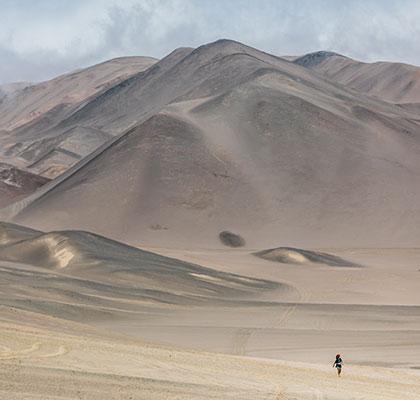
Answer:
(338, 363)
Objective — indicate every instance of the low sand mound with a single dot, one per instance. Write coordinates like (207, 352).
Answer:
(84, 255)
(291, 255)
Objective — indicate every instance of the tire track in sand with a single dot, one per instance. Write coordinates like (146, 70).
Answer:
(31, 353)
(244, 335)
(315, 394)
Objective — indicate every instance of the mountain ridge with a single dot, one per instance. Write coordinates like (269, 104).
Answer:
(224, 137)
(29, 115)
(390, 81)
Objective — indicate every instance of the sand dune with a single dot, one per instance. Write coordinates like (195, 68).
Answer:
(291, 255)
(103, 268)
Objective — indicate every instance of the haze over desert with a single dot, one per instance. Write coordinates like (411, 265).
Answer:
(214, 221)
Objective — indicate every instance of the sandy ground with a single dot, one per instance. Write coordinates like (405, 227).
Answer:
(42, 364)
(371, 314)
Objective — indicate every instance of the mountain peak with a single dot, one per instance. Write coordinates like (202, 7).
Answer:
(315, 58)
(225, 46)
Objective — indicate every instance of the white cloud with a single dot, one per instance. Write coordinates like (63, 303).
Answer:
(43, 38)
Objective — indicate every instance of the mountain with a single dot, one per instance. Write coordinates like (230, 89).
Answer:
(390, 81)
(29, 114)
(25, 103)
(226, 137)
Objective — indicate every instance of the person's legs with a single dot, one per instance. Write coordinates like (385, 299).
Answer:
(339, 371)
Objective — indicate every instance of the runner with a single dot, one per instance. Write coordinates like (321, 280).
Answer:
(338, 363)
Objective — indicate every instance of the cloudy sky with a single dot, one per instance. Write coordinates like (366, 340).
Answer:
(42, 38)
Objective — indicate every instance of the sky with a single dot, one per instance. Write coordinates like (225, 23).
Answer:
(40, 39)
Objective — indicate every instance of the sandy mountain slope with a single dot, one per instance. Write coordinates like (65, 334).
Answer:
(185, 73)
(30, 113)
(247, 143)
(32, 101)
(390, 81)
